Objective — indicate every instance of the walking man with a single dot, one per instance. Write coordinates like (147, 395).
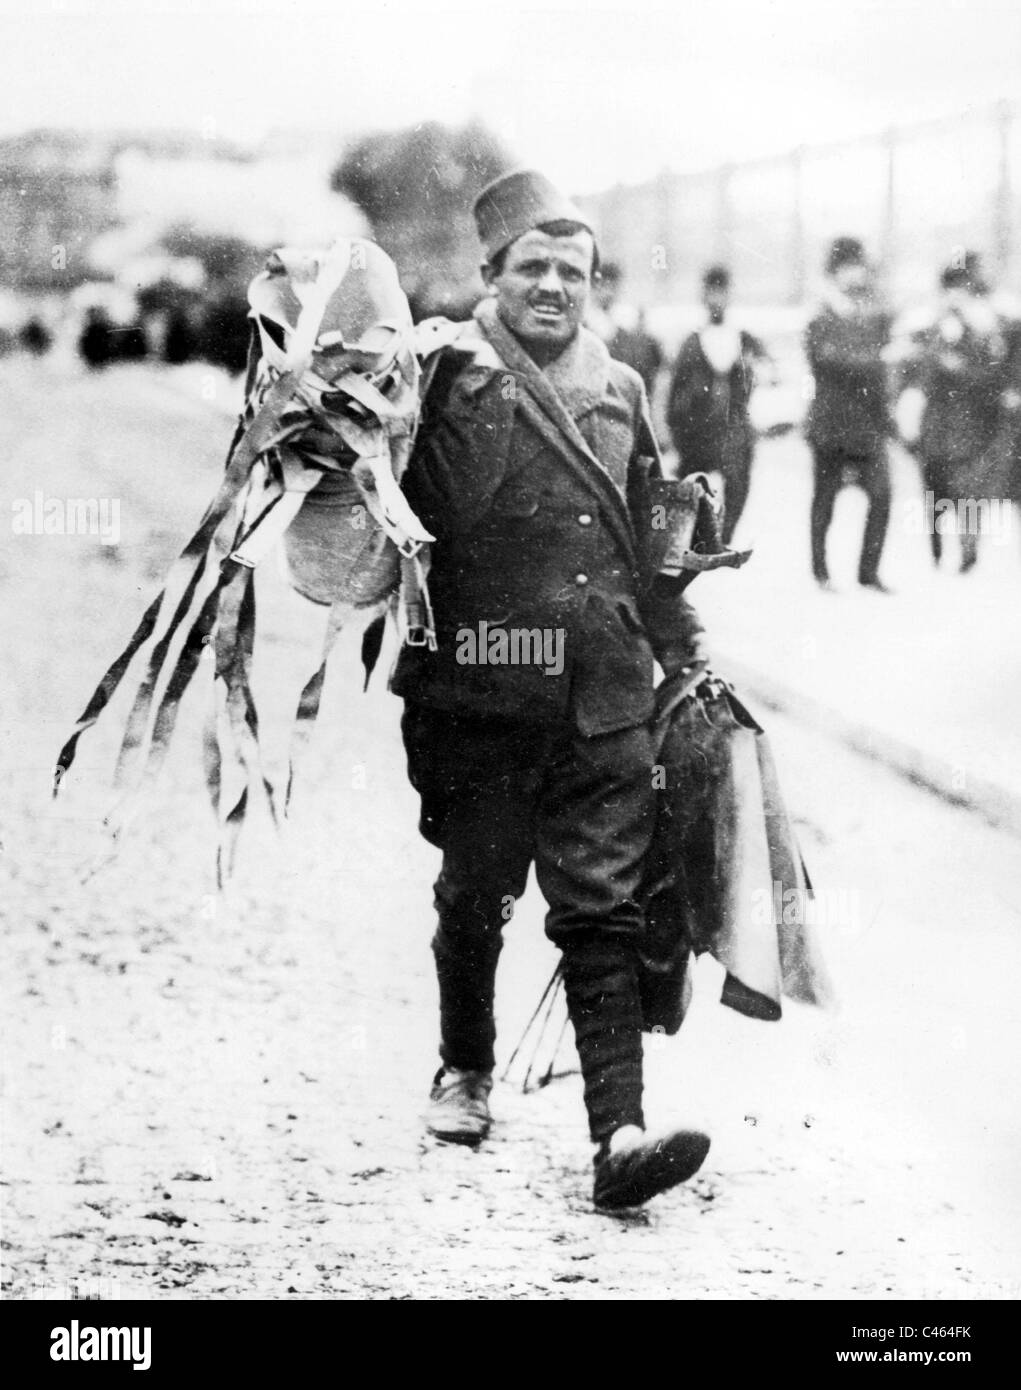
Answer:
(960, 363)
(710, 388)
(850, 418)
(527, 729)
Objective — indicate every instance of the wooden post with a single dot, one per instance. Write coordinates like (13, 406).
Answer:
(663, 254)
(888, 234)
(799, 269)
(1003, 210)
(724, 215)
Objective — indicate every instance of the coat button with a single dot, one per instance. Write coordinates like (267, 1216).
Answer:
(584, 519)
(581, 579)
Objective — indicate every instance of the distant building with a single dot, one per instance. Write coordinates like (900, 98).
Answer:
(277, 196)
(57, 193)
(62, 192)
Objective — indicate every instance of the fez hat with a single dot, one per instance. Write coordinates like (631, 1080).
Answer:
(516, 203)
(845, 250)
(716, 277)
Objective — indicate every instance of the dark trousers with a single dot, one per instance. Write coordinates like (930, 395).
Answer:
(938, 477)
(872, 473)
(737, 477)
(497, 797)
(728, 450)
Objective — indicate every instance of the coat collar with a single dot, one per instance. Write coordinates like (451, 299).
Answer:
(580, 375)
(545, 409)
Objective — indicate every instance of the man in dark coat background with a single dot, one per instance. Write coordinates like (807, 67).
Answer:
(710, 387)
(628, 341)
(849, 420)
(527, 730)
(961, 363)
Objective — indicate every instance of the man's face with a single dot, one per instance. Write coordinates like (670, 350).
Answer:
(543, 287)
(852, 277)
(716, 299)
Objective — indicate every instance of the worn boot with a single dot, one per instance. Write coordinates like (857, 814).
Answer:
(633, 1166)
(459, 1106)
(604, 1004)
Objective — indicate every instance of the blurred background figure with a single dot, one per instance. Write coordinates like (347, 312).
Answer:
(960, 365)
(103, 341)
(849, 419)
(1007, 449)
(623, 329)
(107, 326)
(95, 342)
(35, 337)
(710, 388)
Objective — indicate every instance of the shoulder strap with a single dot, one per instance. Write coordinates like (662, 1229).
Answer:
(438, 377)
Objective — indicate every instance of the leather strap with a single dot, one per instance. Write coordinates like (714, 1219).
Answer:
(209, 598)
(255, 439)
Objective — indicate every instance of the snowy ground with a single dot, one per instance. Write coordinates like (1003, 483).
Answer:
(208, 1098)
(933, 673)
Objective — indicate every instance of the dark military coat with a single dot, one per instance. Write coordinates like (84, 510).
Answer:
(531, 534)
(850, 411)
(963, 369)
(707, 411)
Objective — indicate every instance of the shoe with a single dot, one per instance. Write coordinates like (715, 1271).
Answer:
(459, 1106)
(630, 1175)
(875, 584)
(826, 584)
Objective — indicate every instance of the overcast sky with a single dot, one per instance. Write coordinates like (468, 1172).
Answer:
(592, 94)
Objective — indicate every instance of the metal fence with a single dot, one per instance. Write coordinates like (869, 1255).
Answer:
(915, 194)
